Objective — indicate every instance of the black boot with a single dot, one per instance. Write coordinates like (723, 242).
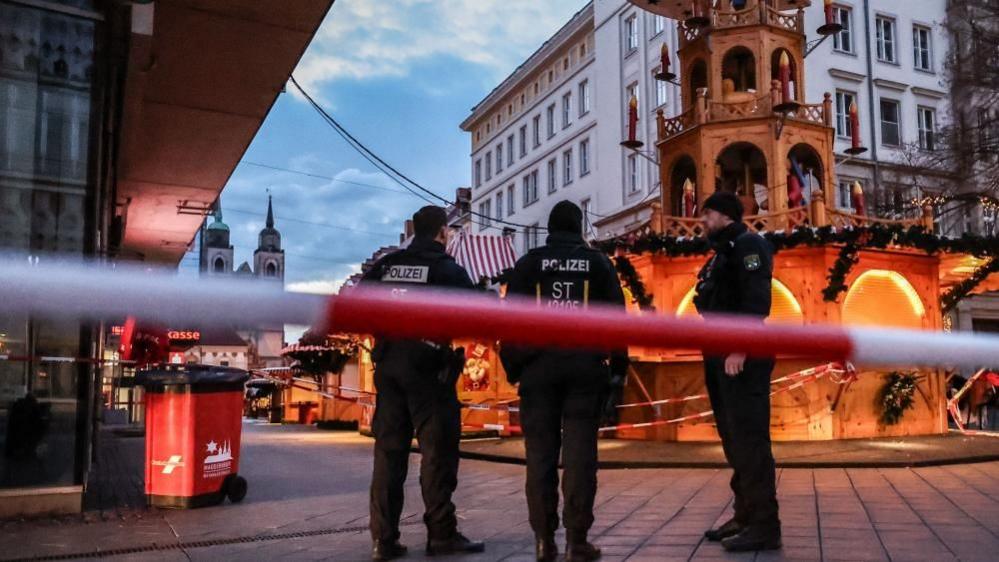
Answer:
(453, 545)
(727, 529)
(546, 549)
(387, 550)
(754, 537)
(578, 549)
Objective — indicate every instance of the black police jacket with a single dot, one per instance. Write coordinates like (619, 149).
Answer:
(566, 274)
(424, 263)
(737, 278)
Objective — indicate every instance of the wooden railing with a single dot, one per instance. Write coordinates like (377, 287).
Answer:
(723, 111)
(755, 13)
(781, 221)
(842, 219)
(791, 22)
(813, 113)
(676, 125)
(750, 15)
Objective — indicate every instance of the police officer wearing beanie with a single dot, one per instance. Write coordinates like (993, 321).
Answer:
(563, 393)
(736, 280)
(416, 392)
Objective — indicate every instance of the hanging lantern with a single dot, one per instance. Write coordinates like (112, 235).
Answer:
(855, 147)
(633, 141)
(831, 26)
(857, 199)
(664, 73)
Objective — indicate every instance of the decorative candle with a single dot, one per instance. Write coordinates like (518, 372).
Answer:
(857, 196)
(632, 118)
(689, 205)
(855, 124)
(664, 56)
(785, 77)
(829, 13)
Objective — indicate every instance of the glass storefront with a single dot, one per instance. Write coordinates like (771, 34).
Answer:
(47, 69)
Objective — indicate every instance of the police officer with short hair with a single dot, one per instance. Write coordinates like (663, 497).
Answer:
(563, 393)
(416, 391)
(736, 280)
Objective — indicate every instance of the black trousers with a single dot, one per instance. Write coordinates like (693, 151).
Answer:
(741, 407)
(408, 401)
(560, 405)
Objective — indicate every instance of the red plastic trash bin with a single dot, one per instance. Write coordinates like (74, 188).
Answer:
(193, 428)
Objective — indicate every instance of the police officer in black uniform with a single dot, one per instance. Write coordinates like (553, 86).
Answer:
(562, 393)
(416, 391)
(736, 280)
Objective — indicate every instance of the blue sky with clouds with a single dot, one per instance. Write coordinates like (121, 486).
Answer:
(400, 76)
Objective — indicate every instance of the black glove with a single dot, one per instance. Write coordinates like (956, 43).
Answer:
(452, 365)
(615, 389)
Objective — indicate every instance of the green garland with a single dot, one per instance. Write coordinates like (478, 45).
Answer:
(897, 396)
(876, 237)
(964, 288)
(634, 282)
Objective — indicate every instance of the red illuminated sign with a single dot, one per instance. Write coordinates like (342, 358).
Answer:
(184, 335)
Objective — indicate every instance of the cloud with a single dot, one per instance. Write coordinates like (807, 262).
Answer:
(366, 39)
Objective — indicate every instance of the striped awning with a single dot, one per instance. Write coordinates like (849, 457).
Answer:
(482, 255)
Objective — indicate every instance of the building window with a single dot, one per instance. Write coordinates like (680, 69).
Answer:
(530, 237)
(530, 188)
(843, 102)
(927, 118)
(843, 41)
(567, 167)
(584, 157)
(509, 146)
(523, 143)
(552, 176)
(499, 206)
(551, 120)
(891, 134)
(885, 28)
(509, 200)
(844, 199)
(631, 34)
(632, 173)
(565, 64)
(478, 173)
(219, 266)
(270, 270)
(484, 215)
(661, 93)
(658, 25)
(489, 166)
(984, 131)
(499, 158)
(566, 110)
(584, 97)
(921, 48)
(584, 205)
(537, 131)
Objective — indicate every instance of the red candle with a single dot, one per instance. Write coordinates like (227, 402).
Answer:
(785, 77)
(632, 118)
(829, 13)
(689, 206)
(664, 56)
(857, 196)
(855, 124)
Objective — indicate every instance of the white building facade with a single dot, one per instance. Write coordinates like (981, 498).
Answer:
(895, 72)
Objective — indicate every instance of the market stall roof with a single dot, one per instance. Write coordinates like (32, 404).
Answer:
(483, 255)
(201, 77)
(680, 9)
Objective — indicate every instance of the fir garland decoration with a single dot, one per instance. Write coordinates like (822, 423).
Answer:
(634, 282)
(897, 396)
(964, 288)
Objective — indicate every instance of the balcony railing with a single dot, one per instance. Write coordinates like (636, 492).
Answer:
(755, 13)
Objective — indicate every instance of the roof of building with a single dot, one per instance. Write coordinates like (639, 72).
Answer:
(220, 336)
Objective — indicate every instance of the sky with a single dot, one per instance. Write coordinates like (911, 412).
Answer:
(400, 76)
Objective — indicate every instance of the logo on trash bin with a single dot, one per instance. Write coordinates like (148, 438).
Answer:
(175, 461)
(218, 463)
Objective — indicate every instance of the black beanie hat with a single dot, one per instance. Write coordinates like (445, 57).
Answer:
(726, 203)
(566, 216)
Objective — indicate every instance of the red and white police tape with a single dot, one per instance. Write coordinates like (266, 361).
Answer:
(99, 292)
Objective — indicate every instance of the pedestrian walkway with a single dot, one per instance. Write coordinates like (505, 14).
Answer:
(308, 501)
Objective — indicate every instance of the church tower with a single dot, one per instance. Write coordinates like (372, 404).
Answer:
(216, 251)
(268, 259)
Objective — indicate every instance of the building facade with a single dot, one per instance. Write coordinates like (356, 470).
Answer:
(895, 72)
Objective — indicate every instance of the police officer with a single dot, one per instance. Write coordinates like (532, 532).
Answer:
(736, 280)
(413, 396)
(562, 393)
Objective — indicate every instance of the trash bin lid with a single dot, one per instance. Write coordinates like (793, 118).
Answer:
(201, 375)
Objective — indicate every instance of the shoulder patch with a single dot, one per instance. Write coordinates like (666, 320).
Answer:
(752, 262)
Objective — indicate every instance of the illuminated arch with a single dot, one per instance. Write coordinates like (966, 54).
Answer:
(881, 297)
(784, 308)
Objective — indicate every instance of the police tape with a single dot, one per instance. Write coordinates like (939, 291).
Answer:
(94, 291)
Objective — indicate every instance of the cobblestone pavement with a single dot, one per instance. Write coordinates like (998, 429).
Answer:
(308, 501)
